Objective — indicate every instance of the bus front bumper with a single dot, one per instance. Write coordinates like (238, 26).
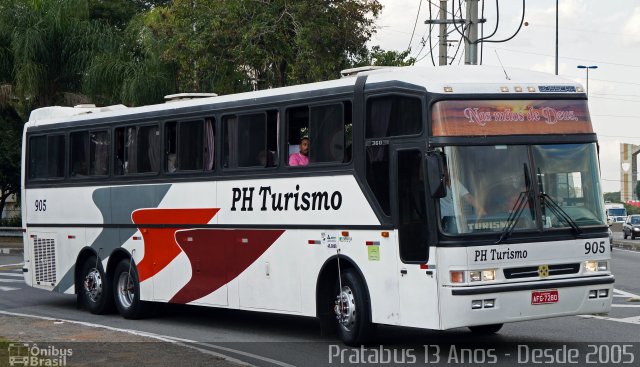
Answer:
(503, 303)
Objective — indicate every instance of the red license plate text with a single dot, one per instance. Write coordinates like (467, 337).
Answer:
(544, 297)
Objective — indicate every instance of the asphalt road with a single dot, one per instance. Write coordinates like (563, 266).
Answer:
(276, 340)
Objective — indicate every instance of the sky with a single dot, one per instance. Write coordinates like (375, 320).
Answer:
(591, 32)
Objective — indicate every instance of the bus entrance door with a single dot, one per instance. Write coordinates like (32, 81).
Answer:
(417, 282)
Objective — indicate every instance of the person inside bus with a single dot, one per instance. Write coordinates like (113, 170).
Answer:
(449, 211)
(301, 158)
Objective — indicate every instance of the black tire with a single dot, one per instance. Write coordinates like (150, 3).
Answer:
(357, 328)
(624, 234)
(486, 329)
(633, 236)
(126, 292)
(95, 288)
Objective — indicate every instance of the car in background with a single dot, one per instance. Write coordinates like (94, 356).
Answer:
(631, 227)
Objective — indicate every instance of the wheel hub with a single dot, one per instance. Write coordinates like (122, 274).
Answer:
(93, 285)
(126, 290)
(345, 308)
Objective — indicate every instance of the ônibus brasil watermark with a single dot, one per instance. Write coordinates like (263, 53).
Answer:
(25, 354)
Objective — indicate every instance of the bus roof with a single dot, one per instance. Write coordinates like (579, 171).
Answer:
(468, 79)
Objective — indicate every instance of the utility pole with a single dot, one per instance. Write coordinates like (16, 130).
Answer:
(470, 45)
(557, 39)
(442, 59)
(471, 48)
(443, 22)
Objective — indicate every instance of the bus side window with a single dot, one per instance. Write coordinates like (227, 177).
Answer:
(250, 140)
(137, 149)
(46, 156)
(393, 115)
(328, 128)
(88, 154)
(189, 145)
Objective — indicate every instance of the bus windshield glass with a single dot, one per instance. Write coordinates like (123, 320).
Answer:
(528, 187)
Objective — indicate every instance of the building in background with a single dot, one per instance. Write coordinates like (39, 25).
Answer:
(628, 171)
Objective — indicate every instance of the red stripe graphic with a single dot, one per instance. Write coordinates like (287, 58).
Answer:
(218, 256)
(160, 247)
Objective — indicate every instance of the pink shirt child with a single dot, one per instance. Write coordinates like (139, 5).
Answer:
(297, 159)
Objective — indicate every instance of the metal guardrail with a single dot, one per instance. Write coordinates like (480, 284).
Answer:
(10, 232)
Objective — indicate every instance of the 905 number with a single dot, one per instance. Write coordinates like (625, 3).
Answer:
(41, 205)
(594, 248)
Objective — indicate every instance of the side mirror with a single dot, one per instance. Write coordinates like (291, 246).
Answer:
(435, 175)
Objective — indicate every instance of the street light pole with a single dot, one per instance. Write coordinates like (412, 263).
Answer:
(556, 37)
(587, 67)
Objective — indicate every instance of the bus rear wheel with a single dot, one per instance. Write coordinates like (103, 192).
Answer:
(95, 292)
(126, 291)
(352, 310)
(486, 329)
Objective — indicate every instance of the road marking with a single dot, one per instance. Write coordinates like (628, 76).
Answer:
(628, 320)
(192, 344)
(625, 293)
(625, 306)
(6, 289)
(11, 281)
(250, 355)
(632, 320)
(11, 275)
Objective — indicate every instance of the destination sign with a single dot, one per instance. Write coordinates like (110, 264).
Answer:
(510, 117)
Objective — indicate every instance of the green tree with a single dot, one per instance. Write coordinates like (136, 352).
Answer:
(50, 45)
(238, 45)
(379, 57)
(613, 197)
(10, 131)
(128, 68)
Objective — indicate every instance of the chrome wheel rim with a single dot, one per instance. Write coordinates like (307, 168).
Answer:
(345, 308)
(93, 285)
(126, 290)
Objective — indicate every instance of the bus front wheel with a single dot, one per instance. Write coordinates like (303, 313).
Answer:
(352, 310)
(95, 287)
(126, 291)
(486, 329)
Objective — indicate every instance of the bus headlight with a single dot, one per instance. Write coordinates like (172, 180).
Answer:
(489, 274)
(593, 266)
(479, 275)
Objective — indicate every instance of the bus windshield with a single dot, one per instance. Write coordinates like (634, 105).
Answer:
(528, 187)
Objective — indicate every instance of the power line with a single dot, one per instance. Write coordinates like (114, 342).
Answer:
(616, 99)
(614, 94)
(619, 116)
(414, 25)
(569, 58)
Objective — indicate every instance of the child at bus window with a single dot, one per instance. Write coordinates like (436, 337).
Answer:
(301, 158)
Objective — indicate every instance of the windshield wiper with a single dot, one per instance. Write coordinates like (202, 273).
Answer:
(559, 212)
(515, 214)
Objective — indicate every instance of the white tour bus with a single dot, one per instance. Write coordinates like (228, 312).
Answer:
(434, 198)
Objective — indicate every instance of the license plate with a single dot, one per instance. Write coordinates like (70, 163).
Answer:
(544, 297)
